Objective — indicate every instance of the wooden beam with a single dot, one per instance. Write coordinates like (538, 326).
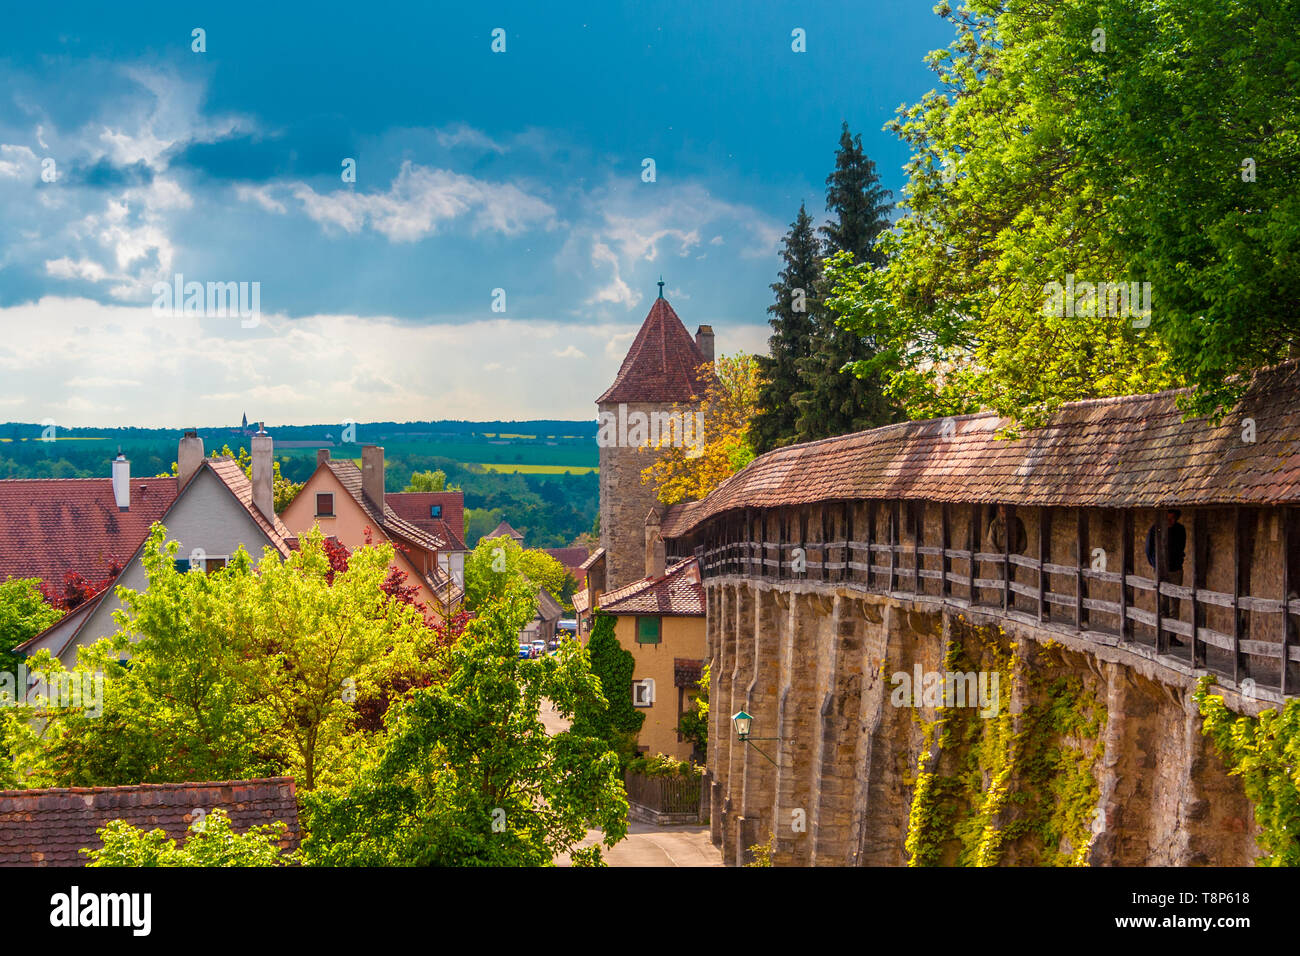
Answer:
(871, 542)
(1161, 546)
(803, 535)
(917, 508)
(1192, 576)
(1080, 550)
(1044, 543)
(1282, 514)
(945, 564)
(1007, 525)
(826, 557)
(848, 542)
(973, 535)
(1125, 549)
(1237, 660)
(894, 539)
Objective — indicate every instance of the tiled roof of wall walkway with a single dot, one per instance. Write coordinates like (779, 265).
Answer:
(1134, 451)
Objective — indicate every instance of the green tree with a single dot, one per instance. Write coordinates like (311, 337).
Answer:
(241, 674)
(832, 401)
(24, 613)
(612, 718)
(694, 724)
(1088, 144)
(435, 480)
(790, 344)
(495, 564)
(211, 841)
(469, 776)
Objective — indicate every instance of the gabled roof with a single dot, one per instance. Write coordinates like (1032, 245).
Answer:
(413, 506)
(548, 608)
(50, 526)
(661, 364)
(1129, 452)
(51, 827)
(393, 525)
(228, 473)
(349, 476)
(678, 592)
(592, 559)
(504, 528)
(573, 559)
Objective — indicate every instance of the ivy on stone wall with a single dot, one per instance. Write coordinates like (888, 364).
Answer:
(1264, 752)
(984, 783)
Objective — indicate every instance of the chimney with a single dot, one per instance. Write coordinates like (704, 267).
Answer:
(122, 482)
(372, 474)
(654, 546)
(263, 473)
(322, 456)
(189, 455)
(704, 341)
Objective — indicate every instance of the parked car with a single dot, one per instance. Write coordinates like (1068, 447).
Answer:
(539, 648)
(525, 651)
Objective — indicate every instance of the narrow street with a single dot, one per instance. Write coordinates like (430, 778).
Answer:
(645, 844)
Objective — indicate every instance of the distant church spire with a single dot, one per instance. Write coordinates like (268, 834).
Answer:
(661, 285)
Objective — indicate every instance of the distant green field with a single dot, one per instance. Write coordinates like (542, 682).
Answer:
(539, 469)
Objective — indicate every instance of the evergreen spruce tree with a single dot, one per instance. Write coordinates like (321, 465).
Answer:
(832, 402)
(791, 339)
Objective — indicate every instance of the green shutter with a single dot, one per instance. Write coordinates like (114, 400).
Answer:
(647, 630)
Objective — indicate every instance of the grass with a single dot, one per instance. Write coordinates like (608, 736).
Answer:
(539, 469)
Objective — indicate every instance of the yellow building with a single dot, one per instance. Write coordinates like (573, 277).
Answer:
(659, 620)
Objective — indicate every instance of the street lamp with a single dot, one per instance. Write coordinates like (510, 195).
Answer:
(744, 722)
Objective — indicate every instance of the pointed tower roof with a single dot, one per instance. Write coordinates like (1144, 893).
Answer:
(504, 528)
(660, 366)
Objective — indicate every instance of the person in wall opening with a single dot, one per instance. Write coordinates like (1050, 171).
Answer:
(1172, 559)
(995, 538)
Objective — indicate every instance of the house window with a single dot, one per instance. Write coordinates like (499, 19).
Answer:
(647, 630)
(435, 511)
(643, 693)
(325, 504)
(213, 564)
(182, 565)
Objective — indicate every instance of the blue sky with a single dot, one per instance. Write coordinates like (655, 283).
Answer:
(475, 171)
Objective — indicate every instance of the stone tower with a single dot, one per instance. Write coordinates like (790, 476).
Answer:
(658, 373)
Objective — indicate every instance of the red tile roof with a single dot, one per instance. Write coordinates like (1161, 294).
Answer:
(50, 827)
(592, 559)
(662, 363)
(413, 506)
(573, 559)
(686, 672)
(1130, 452)
(504, 528)
(393, 525)
(49, 526)
(678, 592)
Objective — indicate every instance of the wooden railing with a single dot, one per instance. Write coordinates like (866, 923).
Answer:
(738, 546)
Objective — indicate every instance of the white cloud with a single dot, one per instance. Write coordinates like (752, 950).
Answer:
(16, 161)
(172, 371)
(463, 135)
(421, 199)
(66, 268)
(260, 195)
